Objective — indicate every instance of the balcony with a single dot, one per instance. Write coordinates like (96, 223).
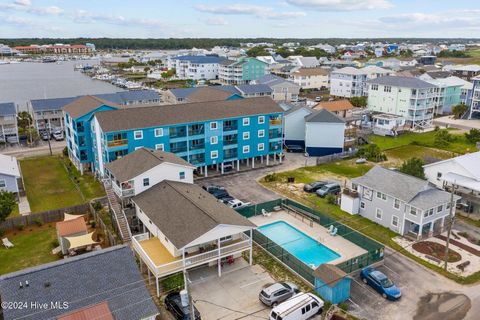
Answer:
(178, 149)
(230, 154)
(275, 121)
(127, 189)
(161, 262)
(197, 159)
(274, 134)
(117, 143)
(230, 128)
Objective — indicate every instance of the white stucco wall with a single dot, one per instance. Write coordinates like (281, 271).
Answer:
(164, 171)
(295, 125)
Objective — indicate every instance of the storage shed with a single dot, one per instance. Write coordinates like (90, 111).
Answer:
(332, 283)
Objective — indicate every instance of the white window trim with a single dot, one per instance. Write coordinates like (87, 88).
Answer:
(262, 145)
(214, 123)
(136, 148)
(214, 140)
(381, 214)
(261, 119)
(135, 134)
(398, 221)
(399, 204)
(246, 121)
(246, 148)
(212, 153)
(248, 135)
(160, 147)
(262, 133)
(158, 135)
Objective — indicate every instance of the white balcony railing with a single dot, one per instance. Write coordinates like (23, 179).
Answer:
(123, 192)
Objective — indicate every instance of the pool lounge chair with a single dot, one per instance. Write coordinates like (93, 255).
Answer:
(330, 229)
(334, 232)
(6, 243)
(265, 213)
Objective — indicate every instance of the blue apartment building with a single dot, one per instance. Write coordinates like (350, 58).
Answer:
(215, 135)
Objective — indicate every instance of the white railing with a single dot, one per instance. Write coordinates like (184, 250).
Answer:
(143, 255)
(123, 192)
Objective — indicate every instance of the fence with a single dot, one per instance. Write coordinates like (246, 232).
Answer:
(336, 156)
(256, 209)
(44, 217)
(110, 237)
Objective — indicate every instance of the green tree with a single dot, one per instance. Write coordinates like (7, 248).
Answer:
(442, 138)
(359, 102)
(413, 167)
(24, 120)
(257, 51)
(473, 136)
(7, 204)
(371, 152)
(169, 73)
(459, 110)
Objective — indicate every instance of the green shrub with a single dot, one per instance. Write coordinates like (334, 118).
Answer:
(271, 177)
(173, 282)
(38, 222)
(443, 138)
(55, 243)
(371, 152)
(473, 136)
(2, 232)
(20, 227)
(343, 306)
(331, 199)
(97, 205)
(65, 152)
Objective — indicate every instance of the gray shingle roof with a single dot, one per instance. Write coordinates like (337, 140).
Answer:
(323, 115)
(7, 109)
(154, 116)
(417, 192)
(109, 275)
(402, 82)
(254, 88)
(140, 161)
(184, 211)
(51, 104)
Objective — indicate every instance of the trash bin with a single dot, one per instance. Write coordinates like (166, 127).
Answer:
(291, 179)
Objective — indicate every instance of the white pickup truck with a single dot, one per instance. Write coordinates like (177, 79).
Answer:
(235, 204)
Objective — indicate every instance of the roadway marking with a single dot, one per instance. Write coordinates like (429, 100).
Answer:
(391, 270)
(362, 285)
(350, 299)
(259, 280)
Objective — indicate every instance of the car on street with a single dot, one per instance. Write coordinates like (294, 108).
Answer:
(314, 186)
(218, 192)
(331, 188)
(318, 99)
(294, 148)
(276, 293)
(173, 303)
(381, 283)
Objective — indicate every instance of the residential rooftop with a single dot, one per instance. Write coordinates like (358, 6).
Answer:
(323, 115)
(402, 82)
(338, 105)
(9, 166)
(305, 72)
(7, 109)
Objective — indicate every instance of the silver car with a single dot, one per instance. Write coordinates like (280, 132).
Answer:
(273, 294)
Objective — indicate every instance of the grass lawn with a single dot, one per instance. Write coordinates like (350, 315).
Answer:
(49, 186)
(31, 248)
(460, 145)
(15, 212)
(398, 155)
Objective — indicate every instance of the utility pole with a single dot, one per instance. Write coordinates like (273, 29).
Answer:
(452, 220)
(190, 299)
(48, 132)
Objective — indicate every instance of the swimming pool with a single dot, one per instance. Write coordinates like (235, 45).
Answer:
(303, 247)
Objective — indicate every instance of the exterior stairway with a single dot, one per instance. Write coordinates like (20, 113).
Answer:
(118, 214)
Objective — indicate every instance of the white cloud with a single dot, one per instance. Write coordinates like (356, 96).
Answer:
(25, 3)
(83, 16)
(52, 10)
(216, 21)
(25, 6)
(342, 5)
(245, 9)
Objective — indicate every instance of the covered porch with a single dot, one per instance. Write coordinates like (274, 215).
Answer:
(417, 231)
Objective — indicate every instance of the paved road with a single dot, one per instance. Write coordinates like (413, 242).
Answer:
(41, 150)
(424, 291)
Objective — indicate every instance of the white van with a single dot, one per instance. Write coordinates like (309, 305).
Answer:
(301, 306)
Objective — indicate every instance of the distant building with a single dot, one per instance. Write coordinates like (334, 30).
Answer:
(466, 72)
(311, 78)
(342, 108)
(8, 123)
(282, 89)
(348, 82)
(242, 71)
(56, 49)
(195, 67)
(448, 93)
(475, 106)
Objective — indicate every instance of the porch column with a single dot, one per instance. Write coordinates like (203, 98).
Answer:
(430, 231)
(158, 287)
(248, 161)
(217, 166)
(238, 165)
(280, 158)
(143, 226)
(219, 259)
(253, 163)
(420, 229)
(261, 159)
(222, 168)
(140, 260)
(206, 171)
(268, 158)
(250, 256)
(442, 226)
(201, 169)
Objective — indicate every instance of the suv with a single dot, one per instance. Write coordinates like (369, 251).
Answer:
(273, 294)
(314, 186)
(331, 188)
(173, 302)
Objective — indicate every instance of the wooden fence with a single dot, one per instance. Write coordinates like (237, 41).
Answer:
(336, 156)
(110, 237)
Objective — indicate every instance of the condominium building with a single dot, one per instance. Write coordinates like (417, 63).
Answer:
(8, 122)
(348, 82)
(449, 93)
(311, 78)
(242, 71)
(195, 67)
(475, 106)
(410, 98)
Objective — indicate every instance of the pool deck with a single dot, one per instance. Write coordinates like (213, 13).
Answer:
(342, 246)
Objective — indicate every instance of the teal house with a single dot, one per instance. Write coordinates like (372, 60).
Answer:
(242, 71)
(332, 283)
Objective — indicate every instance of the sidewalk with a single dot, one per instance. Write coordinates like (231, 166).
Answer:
(24, 206)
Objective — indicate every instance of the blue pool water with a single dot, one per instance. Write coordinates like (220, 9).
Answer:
(306, 249)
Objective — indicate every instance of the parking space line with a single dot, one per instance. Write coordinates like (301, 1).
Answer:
(259, 280)
(391, 270)
(350, 299)
(368, 289)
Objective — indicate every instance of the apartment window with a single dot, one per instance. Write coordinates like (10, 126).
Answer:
(246, 121)
(261, 120)
(374, 87)
(214, 154)
(439, 209)
(395, 221)
(181, 175)
(213, 140)
(382, 196)
(378, 214)
(159, 132)
(413, 211)
(246, 135)
(213, 125)
(261, 133)
(387, 89)
(362, 205)
(261, 147)
(146, 182)
(396, 204)
(138, 134)
(160, 147)
(226, 238)
(3, 184)
(246, 149)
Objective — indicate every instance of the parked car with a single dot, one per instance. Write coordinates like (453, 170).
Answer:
(58, 135)
(294, 148)
(211, 188)
(301, 306)
(236, 204)
(173, 302)
(331, 188)
(318, 99)
(381, 283)
(314, 186)
(226, 199)
(45, 135)
(273, 294)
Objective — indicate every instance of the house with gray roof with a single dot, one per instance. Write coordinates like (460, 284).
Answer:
(403, 203)
(8, 123)
(213, 93)
(186, 227)
(282, 89)
(105, 282)
(324, 133)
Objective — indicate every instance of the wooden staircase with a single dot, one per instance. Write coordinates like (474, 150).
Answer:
(118, 214)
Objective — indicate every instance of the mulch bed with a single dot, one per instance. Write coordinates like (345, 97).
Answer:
(436, 250)
(460, 245)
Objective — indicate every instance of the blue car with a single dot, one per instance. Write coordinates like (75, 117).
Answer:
(380, 282)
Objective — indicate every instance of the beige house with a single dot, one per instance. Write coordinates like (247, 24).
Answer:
(311, 78)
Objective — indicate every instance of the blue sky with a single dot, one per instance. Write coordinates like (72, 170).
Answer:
(226, 18)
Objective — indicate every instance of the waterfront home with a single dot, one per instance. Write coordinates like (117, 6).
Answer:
(144, 168)
(186, 227)
(8, 123)
(209, 135)
(104, 284)
(195, 67)
(407, 97)
(464, 172)
(9, 174)
(282, 90)
(241, 71)
(400, 202)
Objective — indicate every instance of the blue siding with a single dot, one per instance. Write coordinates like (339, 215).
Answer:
(318, 152)
(337, 294)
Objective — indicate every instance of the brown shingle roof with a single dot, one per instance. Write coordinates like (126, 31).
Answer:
(141, 160)
(329, 274)
(99, 311)
(333, 106)
(153, 116)
(184, 212)
(311, 72)
(85, 104)
(208, 94)
(69, 227)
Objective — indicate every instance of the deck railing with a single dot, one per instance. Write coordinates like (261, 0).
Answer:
(117, 143)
